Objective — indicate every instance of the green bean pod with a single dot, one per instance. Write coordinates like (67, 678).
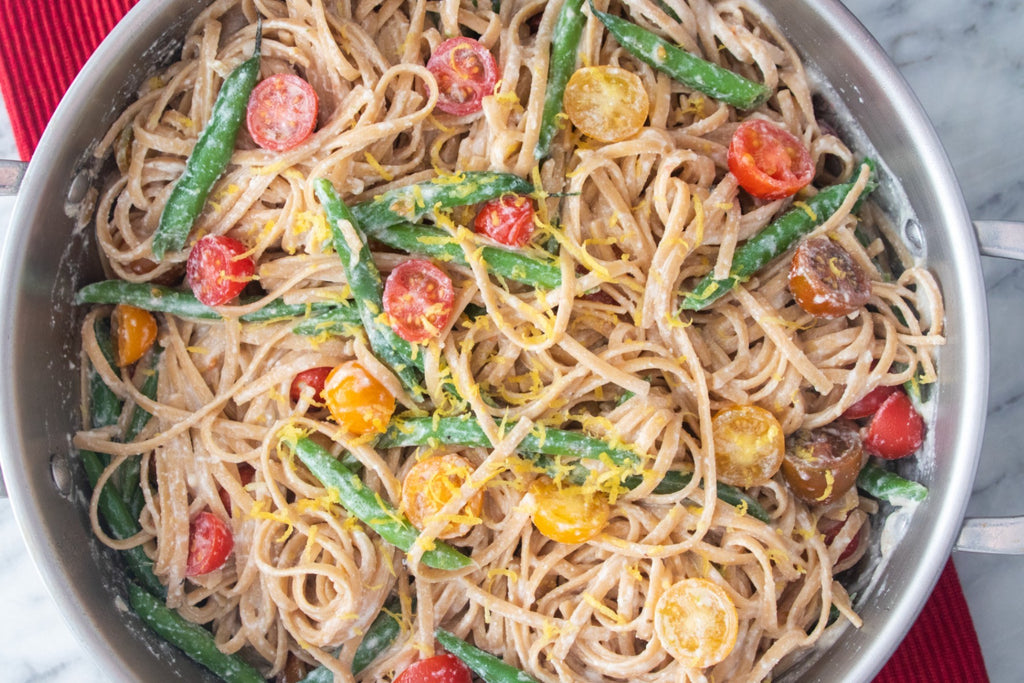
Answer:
(565, 40)
(485, 665)
(889, 486)
(379, 637)
(366, 505)
(192, 639)
(209, 157)
(772, 241)
(690, 70)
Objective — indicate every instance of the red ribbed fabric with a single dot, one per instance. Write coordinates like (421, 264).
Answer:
(43, 44)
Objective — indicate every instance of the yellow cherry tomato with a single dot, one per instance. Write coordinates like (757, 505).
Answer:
(357, 400)
(606, 103)
(568, 514)
(749, 445)
(430, 484)
(696, 622)
(135, 331)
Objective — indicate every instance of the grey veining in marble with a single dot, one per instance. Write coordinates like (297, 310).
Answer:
(965, 60)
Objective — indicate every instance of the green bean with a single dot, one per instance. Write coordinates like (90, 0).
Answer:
(185, 305)
(541, 271)
(128, 473)
(772, 241)
(889, 486)
(378, 638)
(565, 40)
(690, 70)
(192, 639)
(412, 202)
(366, 505)
(104, 404)
(485, 665)
(676, 480)
(209, 157)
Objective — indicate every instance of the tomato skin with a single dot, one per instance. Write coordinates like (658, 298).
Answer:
(567, 514)
(868, 405)
(135, 330)
(466, 73)
(442, 668)
(606, 103)
(896, 430)
(822, 464)
(419, 299)
(749, 445)
(210, 542)
(357, 400)
(282, 112)
(246, 474)
(431, 483)
(831, 528)
(769, 162)
(507, 220)
(825, 280)
(696, 622)
(314, 378)
(218, 269)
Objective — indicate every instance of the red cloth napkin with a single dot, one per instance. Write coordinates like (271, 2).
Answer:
(43, 44)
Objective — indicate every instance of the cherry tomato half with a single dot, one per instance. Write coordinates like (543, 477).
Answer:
(749, 445)
(696, 622)
(466, 73)
(430, 484)
(830, 528)
(896, 430)
(867, 405)
(135, 330)
(281, 112)
(826, 281)
(769, 162)
(209, 544)
(822, 464)
(568, 514)
(418, 299)
(606, 103)
(506, 220)
(357, 400)
(218, 269)
(443, 668)
(313, 378)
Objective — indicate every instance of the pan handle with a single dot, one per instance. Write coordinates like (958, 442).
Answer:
(11, 173)
(1004, 239)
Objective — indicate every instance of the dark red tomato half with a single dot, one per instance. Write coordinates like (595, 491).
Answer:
(507, 220)
(281, 112)
(826, 281)
(896, 430)
(418, 299)
(769, 162)
(831, 528)
(209, 544)
(443, 668)
(218, 269)
(314, 378)
(867, 406)
(246, 474)
(466, 72)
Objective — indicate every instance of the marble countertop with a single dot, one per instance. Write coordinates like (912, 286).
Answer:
(964, 60)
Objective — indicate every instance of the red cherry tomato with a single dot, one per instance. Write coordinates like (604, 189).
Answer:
(831, 529)
(218, 269)
(867, 406)
(315, 378)
(281, 112)
(443, 668)
(418, 298)
(769, 162)
(246, 474)
(466, 73)
(896, 430)
(506, 220)
(209, 544)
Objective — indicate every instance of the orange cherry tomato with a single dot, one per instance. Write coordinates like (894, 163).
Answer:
(749, 445)
(357, 400)
(606, 103)
(218, 269)
(466, 73)
(209, 544)
(822, 464)
(507, 220)
(896, 429)
(281, 112)
(430, 484)
(826, 281)
(419, 299)
(568, 514)
(769, 162)
(135, 330)
(442, 668)
(696, 622)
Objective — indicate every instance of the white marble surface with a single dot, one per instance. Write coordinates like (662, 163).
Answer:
(965, 60)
